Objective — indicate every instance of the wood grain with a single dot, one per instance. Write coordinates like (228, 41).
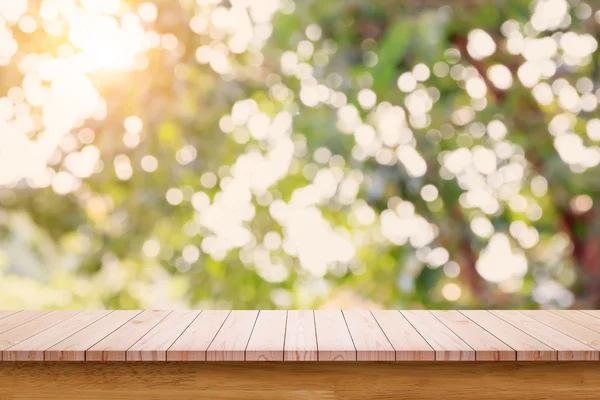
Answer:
(230, 342)
(300, 336)
(193, 343)
(408, 344)
(581, 318)
(567, 347)
(447, 345)
(12, 321)
(568, 327)
(33, 349)
(369, 340)
(73, 348)
(487, 346)
(333, 338)
(324, 335)
(268, 336)
(528, 348)
(33, 327)
(114, 346)
(322, 380)
(154, 345)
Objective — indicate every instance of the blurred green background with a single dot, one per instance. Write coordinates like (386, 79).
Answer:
(299, 154)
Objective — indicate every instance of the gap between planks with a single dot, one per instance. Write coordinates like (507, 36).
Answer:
(300, 335)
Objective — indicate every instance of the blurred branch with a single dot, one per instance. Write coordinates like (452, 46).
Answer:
(585, 250)
(460, 42)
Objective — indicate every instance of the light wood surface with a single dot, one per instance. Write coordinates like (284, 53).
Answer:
(114, 346)
(193, 343)
(593, 313)
(12, 321)
(323, 335)
(581, 318)
(32, 349)
(568, 327)
(369, 340)
(31, 328)
(268, 336)
(300, 381)
(409, 345)
(300, 336)
(232, 339)
(154, 345)
(74, 347)
(334, 342)
(567, 347)
(527, 347)
(487, 346)
(447, 345)
(6, 313)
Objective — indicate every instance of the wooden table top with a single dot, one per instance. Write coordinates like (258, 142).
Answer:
(323, 335)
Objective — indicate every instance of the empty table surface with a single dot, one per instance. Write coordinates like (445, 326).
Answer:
(299, 335)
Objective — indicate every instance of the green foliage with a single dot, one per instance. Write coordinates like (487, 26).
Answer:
(144, 238)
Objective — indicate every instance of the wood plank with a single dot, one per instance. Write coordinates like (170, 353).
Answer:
(487, 346)
(12, 321)
(568, 348)
(566, 326)
(581, 318)
(114, 346)
(528, 348)
(301, 381)
(73, 348)
(267, 340)
(32, 349)
(369, 340)
(6, 313)
(193, 343)
(593, 313)
(232, 339)
(447, 346)
(409, 345)
(33, 327)
(154, 345)
(333, 338)
(300, 336)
